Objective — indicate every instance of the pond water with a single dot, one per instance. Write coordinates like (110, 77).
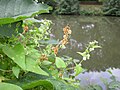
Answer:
(106, 30)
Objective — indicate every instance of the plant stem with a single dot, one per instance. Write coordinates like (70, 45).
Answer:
(5, 70)
(81, 61)
(69, 68)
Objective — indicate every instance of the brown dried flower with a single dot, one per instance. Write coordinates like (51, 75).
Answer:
(25, 28)
(64, 41)
(43, 57)
(55, 49)
(67, 30)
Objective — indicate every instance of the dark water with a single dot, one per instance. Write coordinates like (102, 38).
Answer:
(106, 30)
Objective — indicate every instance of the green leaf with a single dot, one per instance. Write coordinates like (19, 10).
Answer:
(114, 84)
(60, 85)
(31, 65)
(32, 80)
(8, 86)
(46, 63)
(33, 53)
(109, 71)
(14, 10)
(9, 30)
(51, 58)
(17, 54)
(60, 63)
(96, 46)
(43, 83)
(54, 72)
(82, 54)
(78, 70)
(16, 71)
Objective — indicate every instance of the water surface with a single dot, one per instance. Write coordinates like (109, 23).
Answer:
(106, 30)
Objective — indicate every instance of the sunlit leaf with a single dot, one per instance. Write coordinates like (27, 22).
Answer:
(2, 78)
(82, 54)
(33, 53)
(8, 86)
(46, 63)
(16, 71)
(31, 65)
(60, 63)
(16, 10)
(96, 46)
(17, 54)
(78, 69)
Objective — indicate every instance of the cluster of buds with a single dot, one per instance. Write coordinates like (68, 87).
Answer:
(25, 28)
(43, 57)
(55, 49)
(67, 31)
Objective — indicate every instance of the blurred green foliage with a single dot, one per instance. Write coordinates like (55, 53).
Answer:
(111, 7)
(68, 7)
(63, 6)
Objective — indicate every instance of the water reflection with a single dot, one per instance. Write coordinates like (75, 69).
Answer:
(106, 30)
(73, 44)
(88, 27)
(99, 78)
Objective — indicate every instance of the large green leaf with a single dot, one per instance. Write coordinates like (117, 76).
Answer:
(16, 10)
(32, 80)
(8, 86)
(17, 54)
(31, 65)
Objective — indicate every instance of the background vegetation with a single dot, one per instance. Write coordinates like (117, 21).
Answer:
(112, 7)
(28, 57)
(107, 7)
